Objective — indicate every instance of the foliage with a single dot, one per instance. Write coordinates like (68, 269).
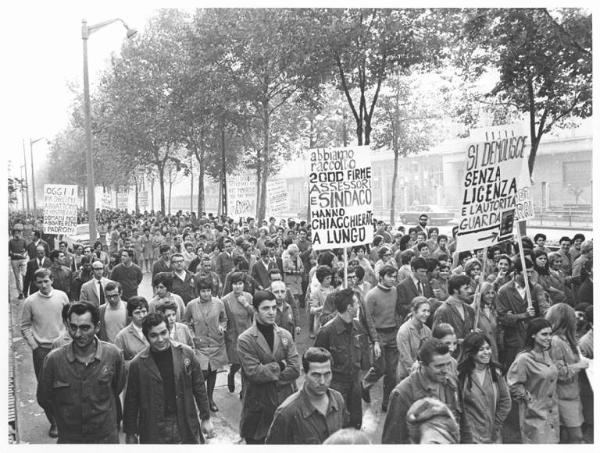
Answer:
(364, 46)
(544, 60)
(15, 185)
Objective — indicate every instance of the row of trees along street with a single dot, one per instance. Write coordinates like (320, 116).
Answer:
(251, 88)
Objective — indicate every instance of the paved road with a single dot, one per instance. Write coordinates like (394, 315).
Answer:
(33, 426)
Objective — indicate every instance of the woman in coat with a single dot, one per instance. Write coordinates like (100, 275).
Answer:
(565, 354)
(293, 270)
(318, 295)
(532, 382)
(488, 323)
(547, 281)
(178, 332)
(238, 307)
(207, 320)
(484, 392)
(410, 336)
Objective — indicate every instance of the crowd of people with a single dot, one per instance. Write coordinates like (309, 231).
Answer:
(460, 338)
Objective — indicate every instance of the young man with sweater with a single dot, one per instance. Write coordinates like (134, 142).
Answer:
(41, 324)
(381, 303)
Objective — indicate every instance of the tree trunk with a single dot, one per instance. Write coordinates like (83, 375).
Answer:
(394, 183)
(262, 207)
(259, 175)
(152, 193)
(137, 205)
(223, 174)
(191, 185)
(161, 182)
(170, 187)
(201, 207)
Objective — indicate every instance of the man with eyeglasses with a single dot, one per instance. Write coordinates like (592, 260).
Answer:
(81, 381)
(113, 315)
(183, 280)
(284, 316)
(94, 291)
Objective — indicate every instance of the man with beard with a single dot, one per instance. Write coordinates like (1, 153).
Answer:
(81, 381)
(313, 413)
(422, 226)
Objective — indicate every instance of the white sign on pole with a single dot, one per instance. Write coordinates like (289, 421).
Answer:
(340, 197)
(122, 200)
(241, 195)
(143, 199)
(497, 190)
(277, 197)
(107, 201)
(60, 208)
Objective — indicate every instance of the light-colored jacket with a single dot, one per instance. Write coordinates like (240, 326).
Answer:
(89, 291)
(532, 381)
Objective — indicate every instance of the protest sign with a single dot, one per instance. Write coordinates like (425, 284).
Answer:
(241, 195)
(143, 200)
(60, 208)
(340, 197)
(122, 200)
(107, 201)
(277, 197)
(497, 190)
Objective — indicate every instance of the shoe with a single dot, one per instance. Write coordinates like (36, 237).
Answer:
(53, 431)
(212, 406)
(364, 393)
(312, 336)
(21, 296)
(231, 382)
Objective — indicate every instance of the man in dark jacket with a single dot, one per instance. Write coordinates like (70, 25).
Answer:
(39, 261)
(514, 313)
(61, 275)
(165, 391)
(81, 381)
(183, 280)
(433, 379)
(270, 365)
(314, 412)
(341, 337)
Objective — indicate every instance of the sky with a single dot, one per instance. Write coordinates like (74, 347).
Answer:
(43, 54)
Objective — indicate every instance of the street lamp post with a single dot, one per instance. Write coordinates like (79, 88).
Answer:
(26, 182)
(31, 143)
(22, 190)
(86, 31)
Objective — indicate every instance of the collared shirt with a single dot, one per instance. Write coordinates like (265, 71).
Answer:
(521, 290)
(297, 421)
(341, 339)
(83, 396)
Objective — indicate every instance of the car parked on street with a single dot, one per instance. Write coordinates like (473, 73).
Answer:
(438, 216)
(81, 236)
